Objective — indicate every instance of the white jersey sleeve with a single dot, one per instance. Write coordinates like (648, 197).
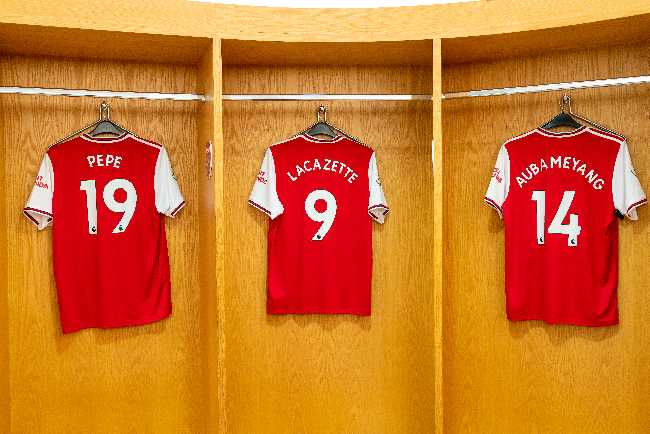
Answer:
(497, 191)
(264, 196)
(377, 205)
(626, 190)
(169, 200)
(39, 204)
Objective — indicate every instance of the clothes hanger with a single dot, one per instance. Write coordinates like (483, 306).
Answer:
(104, 118)
(323, 127)
(563, 119)
(568, 119)
(105, 125)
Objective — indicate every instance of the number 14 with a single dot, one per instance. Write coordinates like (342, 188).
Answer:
(572, 229)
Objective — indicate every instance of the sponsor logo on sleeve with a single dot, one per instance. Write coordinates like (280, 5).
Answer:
(496, 174)
(261, 177)
(40, 182)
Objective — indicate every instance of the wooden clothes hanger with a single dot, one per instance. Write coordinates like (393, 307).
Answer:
(103, 125)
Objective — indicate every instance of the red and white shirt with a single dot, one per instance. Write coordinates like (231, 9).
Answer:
(105, 199)
(559, 195)
(322, 196)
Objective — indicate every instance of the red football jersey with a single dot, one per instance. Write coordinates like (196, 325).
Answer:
(105, 199)
(559, 195)
(321, 196)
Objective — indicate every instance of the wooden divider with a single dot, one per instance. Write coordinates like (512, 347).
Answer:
(438, 233)
(211, 229)
(4, 312)
(505, 377)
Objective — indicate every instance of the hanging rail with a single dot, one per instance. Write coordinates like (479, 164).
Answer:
(623, 81)
(325, 97)
(467, 94)
(101, 93)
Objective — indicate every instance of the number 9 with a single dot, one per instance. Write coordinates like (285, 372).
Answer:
(127, 208)
(326, 217)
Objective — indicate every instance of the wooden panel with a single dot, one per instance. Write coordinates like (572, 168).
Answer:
(97, 44)
(513, 377)
(438, 248)
(319, 373)
(220, 224)
(137, 379)
(603, 63)
(94, 74)
(179, 17)
(4, 331)
(211, 241)
(236, 52)
(592, 35)
(332, 79)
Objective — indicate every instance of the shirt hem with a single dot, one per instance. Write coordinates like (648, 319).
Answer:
(128, 323)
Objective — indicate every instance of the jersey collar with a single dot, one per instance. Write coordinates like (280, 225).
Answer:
(104, 139)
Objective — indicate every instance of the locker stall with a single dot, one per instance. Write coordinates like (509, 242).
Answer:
(502, 376)
(289, 373)
(152, 378)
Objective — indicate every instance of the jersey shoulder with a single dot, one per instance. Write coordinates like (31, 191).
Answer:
(520, 139)
(359, 146)
(146, 144)
(287, 143)
(613, 139)
(66, 145)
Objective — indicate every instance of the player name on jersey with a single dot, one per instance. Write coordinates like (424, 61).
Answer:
(326, 164)
(104, 160)
(561, 162)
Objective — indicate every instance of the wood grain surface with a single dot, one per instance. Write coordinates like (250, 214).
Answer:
(241, 52)
(24, 40)
(4, 312)
(438, 234)
(211, 239)
(220, 229)
(337, 373)
(130, 380)
(190, 18)
(499, 46)
(529, 377)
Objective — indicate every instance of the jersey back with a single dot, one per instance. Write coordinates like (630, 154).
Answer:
(559, 195)
(321, 197)
(105, 199)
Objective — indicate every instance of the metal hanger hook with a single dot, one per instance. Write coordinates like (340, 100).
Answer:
(321, 111)
(104, 111)
(565, 101)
